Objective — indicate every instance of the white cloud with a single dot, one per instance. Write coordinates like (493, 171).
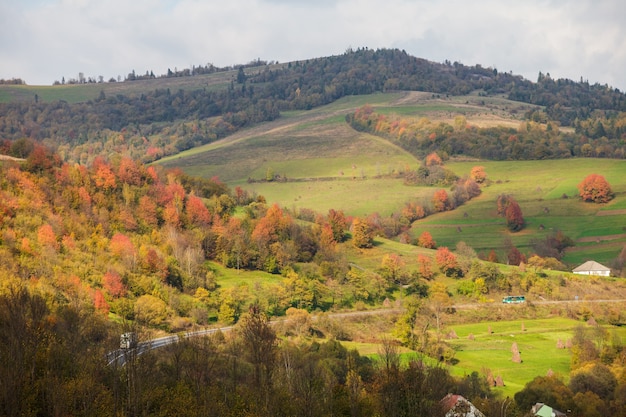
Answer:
(45, 40)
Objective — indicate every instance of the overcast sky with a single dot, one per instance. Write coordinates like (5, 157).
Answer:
(44, 40)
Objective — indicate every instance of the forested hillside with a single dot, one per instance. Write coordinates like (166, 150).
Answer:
(534, 140)
(158, 122)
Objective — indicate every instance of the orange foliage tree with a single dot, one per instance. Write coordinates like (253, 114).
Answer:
(271, 226)
(446, 261)
(441, 201)
(104, 177)
(128, 172)
(122, 248)
(413, 211)
(478, 174)
(338, 224)
(425, 267)
(47, 237)
(327, 242)
(100, 302)
(147, 212)
(596, 189)
(171, 214)
(433, 159)
(197, 212)
(426, 241)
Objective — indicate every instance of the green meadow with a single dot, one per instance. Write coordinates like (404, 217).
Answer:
(489, 349)
(536, 340)
(229, 278)
(548, 197)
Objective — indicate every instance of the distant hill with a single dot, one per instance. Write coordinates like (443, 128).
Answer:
(150, 118)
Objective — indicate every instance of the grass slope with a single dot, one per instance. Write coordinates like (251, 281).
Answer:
(76, 93)
(330, 165)
(539, 187)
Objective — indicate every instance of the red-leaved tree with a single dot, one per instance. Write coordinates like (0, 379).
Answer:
(512, 212)
(514, 217)
(100, 303)
(112, 283)
(596, 189)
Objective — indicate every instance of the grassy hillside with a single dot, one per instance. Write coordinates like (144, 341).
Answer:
(329, 165)
(76, 93)
(540, 187)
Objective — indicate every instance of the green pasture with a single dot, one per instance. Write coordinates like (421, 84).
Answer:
(351, 103)
(603, 253)
(617, 204)
(539, 187)
(536, 340)
(354, 197)
(477, 110)
(326, 163)
(228, 277)
(71, 93)
(75, 93)
(537, 345)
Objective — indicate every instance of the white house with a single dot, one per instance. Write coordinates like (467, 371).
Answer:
(592, 268)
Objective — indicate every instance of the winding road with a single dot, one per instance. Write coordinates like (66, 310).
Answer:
(119, 357)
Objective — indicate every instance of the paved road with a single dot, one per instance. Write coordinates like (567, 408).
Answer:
(539, 302)
(119, 356)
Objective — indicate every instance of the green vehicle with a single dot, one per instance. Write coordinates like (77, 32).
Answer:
(514, 299)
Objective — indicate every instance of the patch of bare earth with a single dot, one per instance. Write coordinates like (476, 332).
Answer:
(601, 238)
(412, 97)
(611, 212)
